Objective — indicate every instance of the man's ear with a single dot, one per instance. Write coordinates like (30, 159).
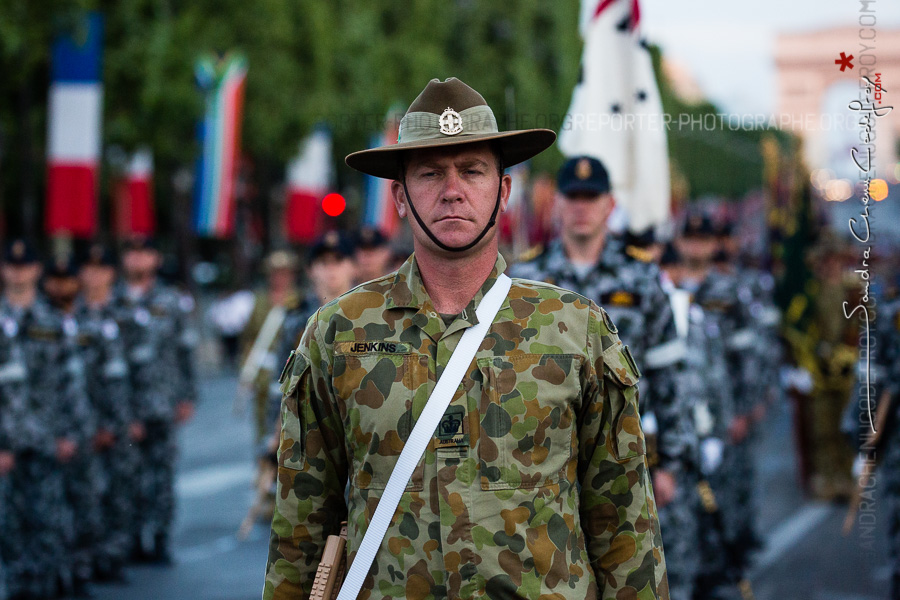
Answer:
(398, 195)
(505, 191)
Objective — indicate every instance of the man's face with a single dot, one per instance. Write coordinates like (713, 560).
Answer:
(281, 278)
(332, 274)
(372, 263)
(140, 263)
(697, 249)
(97, 277)
(454, 191)
(584, 214)
(21, 276)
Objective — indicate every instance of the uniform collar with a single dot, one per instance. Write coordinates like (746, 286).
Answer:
(611, 257)
(408, 291)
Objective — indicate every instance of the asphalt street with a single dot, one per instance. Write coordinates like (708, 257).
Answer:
(805, 557)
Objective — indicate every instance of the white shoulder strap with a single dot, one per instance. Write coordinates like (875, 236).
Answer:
(421, 434)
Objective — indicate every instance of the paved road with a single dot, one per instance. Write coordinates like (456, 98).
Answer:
(805, 556)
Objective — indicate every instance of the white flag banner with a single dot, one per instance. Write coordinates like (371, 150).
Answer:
(616, 113)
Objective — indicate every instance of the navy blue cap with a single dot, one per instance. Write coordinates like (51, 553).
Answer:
(583, 174)
(698, 225)
(139, 242)
(98, 255)
(335, 242)
(641, 239)
(370, 237)
(20, 251)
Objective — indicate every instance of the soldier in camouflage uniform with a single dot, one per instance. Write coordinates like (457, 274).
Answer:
(331, 273)
(625, 281)
(537, 484)
(280, 291)
(83, 477)
(718, 294)
(50, 417)
(109, 390)
(156, 328)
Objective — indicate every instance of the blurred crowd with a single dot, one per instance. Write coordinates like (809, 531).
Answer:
(96, 371)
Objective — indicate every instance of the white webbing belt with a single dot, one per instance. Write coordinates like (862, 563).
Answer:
(421, 434)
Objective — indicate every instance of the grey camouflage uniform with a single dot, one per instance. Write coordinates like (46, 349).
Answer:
(46, 406)
(723, 301)
(109, 391)
(157, 332)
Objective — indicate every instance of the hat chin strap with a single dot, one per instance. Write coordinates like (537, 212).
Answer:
(441, 244)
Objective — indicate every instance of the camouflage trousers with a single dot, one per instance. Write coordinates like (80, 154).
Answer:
(40, 528)
(678, 525)
(735, 488)
(721, 563)
(119, 486)
(155, 509)
(83, 485)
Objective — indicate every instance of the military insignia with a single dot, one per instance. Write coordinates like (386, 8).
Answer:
(451, 122)
(620, 298)
(532, 253)
(450, 428)
(332, 239)
(583, 169)
(640, 254)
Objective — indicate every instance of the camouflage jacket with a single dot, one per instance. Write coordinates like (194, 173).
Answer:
(536, 484)
(722, 301)
(158, 334)
(630, 290)
(51, 401)
(106, 366)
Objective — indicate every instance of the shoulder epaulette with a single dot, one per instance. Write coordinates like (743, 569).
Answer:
(640, 254)
(532, 253)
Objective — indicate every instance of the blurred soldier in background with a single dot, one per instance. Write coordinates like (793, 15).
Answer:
(718, 567)
(626, 283)
(106, 372)
(823, 347)
(156, 328)
(717, 294)
(331, 273)
(373, 255)
(81, 474)
(267, 320)
(48, 416)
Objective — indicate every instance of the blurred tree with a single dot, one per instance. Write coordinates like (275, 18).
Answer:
(343, 62)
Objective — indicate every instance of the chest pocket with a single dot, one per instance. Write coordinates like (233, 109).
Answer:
(378, 389)
(621, 376)
(527, 433)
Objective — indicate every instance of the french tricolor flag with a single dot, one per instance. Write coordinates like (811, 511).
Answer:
(134, 214)
(309, 176)
(76, 110)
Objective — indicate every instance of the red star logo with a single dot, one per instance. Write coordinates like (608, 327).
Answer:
(845, 61)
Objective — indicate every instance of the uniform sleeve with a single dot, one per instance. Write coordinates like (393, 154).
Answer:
(187, 342)
(312, 471)
(665, 357)
(618, 510)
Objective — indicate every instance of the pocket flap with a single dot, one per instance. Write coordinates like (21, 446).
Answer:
(620, 365)
(293, 370)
